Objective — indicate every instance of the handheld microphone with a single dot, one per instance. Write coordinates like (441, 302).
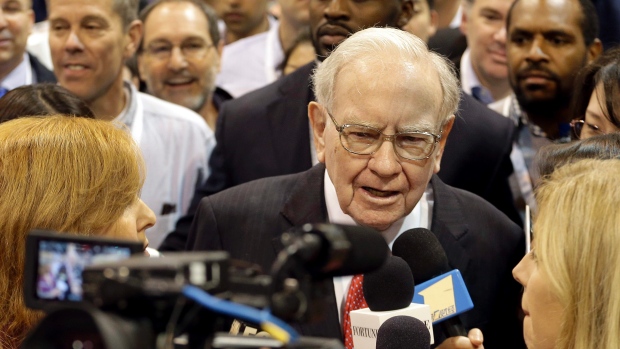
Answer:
(403, 332)
(439, 287)
(312, 255)
(388, 292)
(328, 250)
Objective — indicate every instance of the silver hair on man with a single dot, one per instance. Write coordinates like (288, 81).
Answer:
(381, 44)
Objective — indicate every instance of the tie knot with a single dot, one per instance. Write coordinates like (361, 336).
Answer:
(482, 94)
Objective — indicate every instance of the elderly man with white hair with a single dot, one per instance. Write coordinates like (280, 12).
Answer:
(385, 107)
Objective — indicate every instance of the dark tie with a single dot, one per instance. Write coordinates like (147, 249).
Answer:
(355, 300)
(481, 95)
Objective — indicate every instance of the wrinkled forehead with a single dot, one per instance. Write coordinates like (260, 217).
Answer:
(390, 87)
(77, 9)
(24, 3)
(544, 15)
(182, 19)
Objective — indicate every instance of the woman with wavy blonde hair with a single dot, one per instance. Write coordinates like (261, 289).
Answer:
(572, 275)
(73, 175)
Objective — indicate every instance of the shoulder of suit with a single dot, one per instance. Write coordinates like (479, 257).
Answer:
(269, 188)
(263, 96)
(473, 207)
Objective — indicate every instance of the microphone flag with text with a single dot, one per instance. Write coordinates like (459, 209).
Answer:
(388, 293)
(437, 285)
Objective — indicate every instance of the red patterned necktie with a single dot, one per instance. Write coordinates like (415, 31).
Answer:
(355, 300)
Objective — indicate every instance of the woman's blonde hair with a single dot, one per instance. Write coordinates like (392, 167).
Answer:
(72, 175)
(577, 237)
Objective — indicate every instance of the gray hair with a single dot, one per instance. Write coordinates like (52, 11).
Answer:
(374, 43)
(127, 10)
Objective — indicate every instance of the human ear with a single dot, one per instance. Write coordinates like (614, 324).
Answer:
(133, 36)
(316, 114)
(447, 127)
(595, 50)
(406, 13)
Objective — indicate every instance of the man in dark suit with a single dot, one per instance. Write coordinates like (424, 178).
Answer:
(17, 67)
(482, 67)
(385, 107)
(266, 132)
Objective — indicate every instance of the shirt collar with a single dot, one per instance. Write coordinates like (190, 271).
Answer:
(127, 114)
(420, 216)
(19, 76)
(468, 75)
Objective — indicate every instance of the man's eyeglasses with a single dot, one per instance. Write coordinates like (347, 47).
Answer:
(190, 50)
(577, 125)
(365, 140)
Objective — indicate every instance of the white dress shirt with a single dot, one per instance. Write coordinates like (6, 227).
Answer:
(419, 217)
(176, 144)
(252, 62)
(20, 76)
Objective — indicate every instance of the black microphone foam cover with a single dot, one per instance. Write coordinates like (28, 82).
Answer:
(367, 251)
(423, 253)
(390, 287)
(403, 332)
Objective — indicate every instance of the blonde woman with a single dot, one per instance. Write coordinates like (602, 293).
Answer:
(572, 275)
(66, 174)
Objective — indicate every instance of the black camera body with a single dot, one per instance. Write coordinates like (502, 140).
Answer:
(53, 271)
(143, 303)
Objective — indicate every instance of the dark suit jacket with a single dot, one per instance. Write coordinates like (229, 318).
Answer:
(480, 241)
(266, 133)
(449, 42)
(40, 71)
(608, 14)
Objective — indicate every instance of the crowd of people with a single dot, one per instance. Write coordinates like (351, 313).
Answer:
(201, 125)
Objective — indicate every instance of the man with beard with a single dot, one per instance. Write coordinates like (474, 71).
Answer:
(186, 76)
(548, 42)
(89, 42)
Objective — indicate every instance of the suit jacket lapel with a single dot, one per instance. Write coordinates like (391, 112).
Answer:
(448, 225)
(41, 72)
(288, 117)
(306, 204)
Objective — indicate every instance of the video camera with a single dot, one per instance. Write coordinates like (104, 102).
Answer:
(182, 299)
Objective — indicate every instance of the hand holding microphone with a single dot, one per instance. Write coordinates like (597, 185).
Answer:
(473, 340)
(429, 264)
(438, 286)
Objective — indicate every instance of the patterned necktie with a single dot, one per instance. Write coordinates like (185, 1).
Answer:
(355, 300)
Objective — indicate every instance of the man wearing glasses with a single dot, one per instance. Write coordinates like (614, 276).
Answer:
(385, 107)
(89, 42)
(179, 56)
